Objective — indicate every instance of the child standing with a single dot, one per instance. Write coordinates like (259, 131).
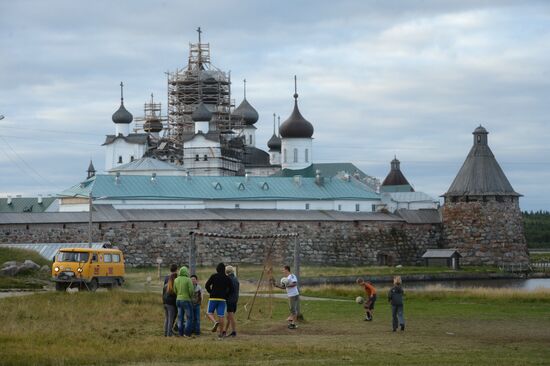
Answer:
(395, 297)
(370, 291)
(169, 301)
(196, 303)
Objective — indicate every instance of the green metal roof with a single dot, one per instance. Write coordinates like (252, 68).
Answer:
(25, 204)
(218, 188)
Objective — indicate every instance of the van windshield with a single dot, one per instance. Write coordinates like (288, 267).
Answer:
(72, 256)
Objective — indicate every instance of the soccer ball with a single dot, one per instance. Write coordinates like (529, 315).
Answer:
(284, 282)
(359, 300)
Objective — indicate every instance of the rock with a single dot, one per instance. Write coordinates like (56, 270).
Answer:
(45, 268)
(9, 270)
(30, 264)
(9, 263)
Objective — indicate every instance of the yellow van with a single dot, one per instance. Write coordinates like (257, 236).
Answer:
(88, 268)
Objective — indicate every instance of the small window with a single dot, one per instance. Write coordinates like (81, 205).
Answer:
(241, 187)
(295, 155)
(205, 157)
(94, 257)
(339, 207)
(250, 139)
(478, 139)
(116, 258)
(132, 158)
(284, 155)
(307, 206)
(373, 208)
(306, 155)
(217, 186)
(197, 158)
(107, 258)
(357, 207)
(237, 205)
(120, 159)
(265, 186)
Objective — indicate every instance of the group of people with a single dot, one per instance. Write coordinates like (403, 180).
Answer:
(183, 296)
(395, 298)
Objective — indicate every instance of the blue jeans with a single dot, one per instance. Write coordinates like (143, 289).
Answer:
(397, 316)
(185, 308)
(197, 318)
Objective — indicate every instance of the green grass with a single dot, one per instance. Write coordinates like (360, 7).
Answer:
(443, 328)
(27, 280)
(539, 256)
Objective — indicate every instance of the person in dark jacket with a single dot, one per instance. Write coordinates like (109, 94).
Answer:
(395, 297)
(173, 269)
(219, 287)
(169, 301)
(232, 300)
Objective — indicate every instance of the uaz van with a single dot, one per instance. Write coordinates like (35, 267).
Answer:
(88, 268)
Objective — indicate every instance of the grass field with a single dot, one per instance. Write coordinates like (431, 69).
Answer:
(467, 327)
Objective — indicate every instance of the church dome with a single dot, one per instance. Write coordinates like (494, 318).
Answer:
(274, 143)
(122, 115)
(152, 125)
(481, 129)
(248, 113)
(201, 113)
(296, 126)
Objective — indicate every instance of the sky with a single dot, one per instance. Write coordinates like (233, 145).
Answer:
(377, 79)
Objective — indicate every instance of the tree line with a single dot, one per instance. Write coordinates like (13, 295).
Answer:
(537, 228)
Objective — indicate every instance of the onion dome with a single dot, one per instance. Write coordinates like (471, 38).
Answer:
(153, 124)
(274, 142)
(201, 113)
(122, 115)
(296, 126)
(246, 111)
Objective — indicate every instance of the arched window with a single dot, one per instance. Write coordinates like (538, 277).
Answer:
(132, 158)
(284, 155)
(120, 159)
(197, 157)
(306, 155)
(295, 155)
(250, 139)
(205, 157)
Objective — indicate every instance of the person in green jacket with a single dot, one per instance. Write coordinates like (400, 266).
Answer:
(183, 287)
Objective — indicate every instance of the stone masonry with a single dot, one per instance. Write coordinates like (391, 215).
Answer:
(322, 242)
(486, 231)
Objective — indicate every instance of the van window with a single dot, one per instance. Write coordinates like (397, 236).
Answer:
(116, 258)
(72, 257)
(94, 257)
(107, 258)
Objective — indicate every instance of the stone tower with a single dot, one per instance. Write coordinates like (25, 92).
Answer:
(481, 215)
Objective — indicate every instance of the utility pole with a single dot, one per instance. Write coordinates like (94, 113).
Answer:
(90, 221)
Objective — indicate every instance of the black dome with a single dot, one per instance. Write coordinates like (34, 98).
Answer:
(296, 125)
(274, 143)
(122, 115)
(248, 113)
(152, 125)
(201, 113)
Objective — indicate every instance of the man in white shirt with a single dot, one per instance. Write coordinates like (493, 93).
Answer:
(293, 296)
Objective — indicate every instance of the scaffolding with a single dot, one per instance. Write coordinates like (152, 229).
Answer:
(200, 81)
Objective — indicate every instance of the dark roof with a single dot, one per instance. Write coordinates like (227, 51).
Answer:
(422, 216)
(481, 175)
(296, 126)
(91, 167)
(25, 204)
(247, 112)
(201, 113)
(132, 138)
(254, 157)
(122, 115)
(395, 177)
(327, 170)
(274, 143)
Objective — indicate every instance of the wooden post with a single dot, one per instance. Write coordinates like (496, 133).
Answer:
(297, 258)
(192, 254)
(90, 207)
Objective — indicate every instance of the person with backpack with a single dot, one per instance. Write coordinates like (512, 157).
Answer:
(169, 302)
(395, 298)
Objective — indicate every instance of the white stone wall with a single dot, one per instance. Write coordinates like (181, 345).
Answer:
(121, 149)
(299, 148)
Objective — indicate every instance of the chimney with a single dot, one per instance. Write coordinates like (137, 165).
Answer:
(246, 177)
(297, 180)
(319, 180)
(39, 199)
(187, 175)
(9, 200)
(154, 177)
(117, 178)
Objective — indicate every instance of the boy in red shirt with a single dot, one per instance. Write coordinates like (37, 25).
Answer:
(370, 291)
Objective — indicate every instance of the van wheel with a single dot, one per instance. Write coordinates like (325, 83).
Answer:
(92, 286)
(59, 286)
